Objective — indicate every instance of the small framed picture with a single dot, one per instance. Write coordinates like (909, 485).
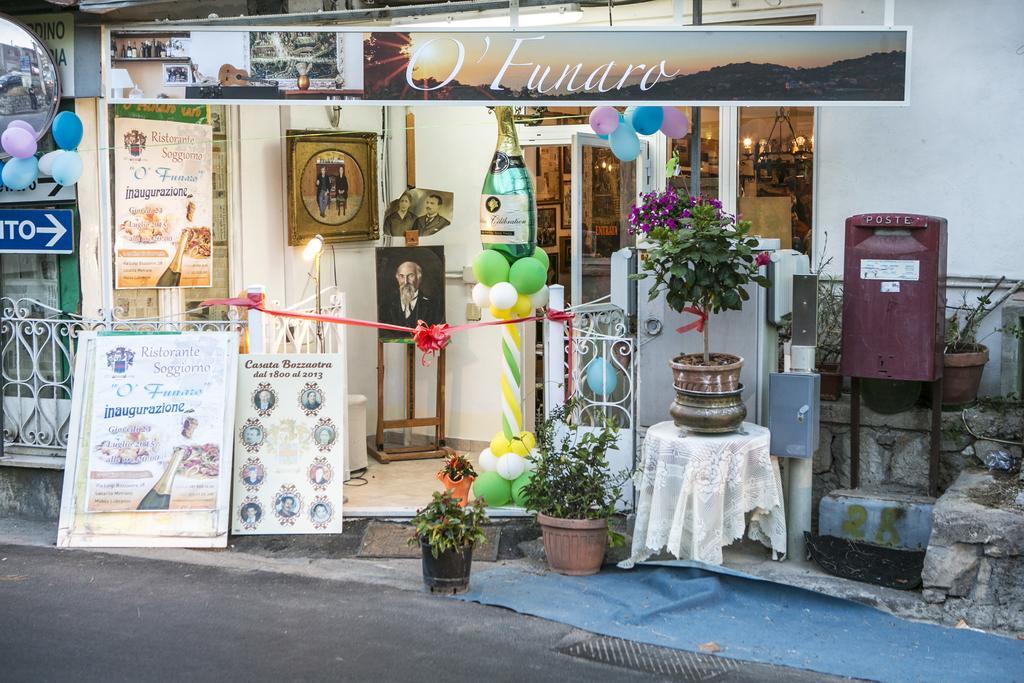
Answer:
(565, 254)
(548, 220)
(177, 74)
(566, 206)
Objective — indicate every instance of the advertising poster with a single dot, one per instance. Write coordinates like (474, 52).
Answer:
(163, 197)
(290, 440)
(150, 448)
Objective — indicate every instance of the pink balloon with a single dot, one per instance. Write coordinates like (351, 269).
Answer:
(18, 142)
(24, 125)
(604, 120)
(674, 123)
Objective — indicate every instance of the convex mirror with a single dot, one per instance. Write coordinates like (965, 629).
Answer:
(29, 82)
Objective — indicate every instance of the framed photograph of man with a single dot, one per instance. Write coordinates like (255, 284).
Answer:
(410, 287)
(425, 211)
(332, 186)
(548, 220)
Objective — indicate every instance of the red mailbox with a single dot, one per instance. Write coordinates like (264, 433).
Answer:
(894, 296)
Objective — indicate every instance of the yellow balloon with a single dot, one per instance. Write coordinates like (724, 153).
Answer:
(528, 439)
(518, 447)
(500, 445)
(501, 313)
(523, 306)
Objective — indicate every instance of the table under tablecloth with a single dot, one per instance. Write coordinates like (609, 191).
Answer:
(695, 491)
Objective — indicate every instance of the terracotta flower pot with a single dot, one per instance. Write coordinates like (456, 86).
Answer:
(460, 489)
(961, 376)
(574, 547)
(721, 376)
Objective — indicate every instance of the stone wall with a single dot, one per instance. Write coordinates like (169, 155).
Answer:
(894, 449)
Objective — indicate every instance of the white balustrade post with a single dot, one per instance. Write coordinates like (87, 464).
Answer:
(256, 321)
(554, 353)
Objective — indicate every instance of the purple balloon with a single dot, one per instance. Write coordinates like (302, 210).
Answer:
(674, 123)
(24, 125)
(604, 120)
(18, 142)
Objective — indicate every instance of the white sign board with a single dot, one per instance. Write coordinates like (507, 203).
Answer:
(43, 190)
(149, 443)
(886, 269)
(291, 433)
(57, 31)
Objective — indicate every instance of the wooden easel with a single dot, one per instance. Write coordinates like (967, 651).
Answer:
(434, 449)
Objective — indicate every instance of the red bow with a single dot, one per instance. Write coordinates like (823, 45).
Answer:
(697, 324)
(430, 339)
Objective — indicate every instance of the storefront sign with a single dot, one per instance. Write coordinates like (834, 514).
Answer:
(149, 452)
(163, 199)
(290, 441)
(57, 31)
(32, 231)
(725, 66)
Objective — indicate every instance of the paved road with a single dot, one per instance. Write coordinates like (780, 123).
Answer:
(82, 616)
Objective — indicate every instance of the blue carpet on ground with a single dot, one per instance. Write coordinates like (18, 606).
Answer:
(754, 620)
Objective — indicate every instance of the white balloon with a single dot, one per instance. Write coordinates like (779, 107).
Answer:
(539, 299)
(503, 295)
(46, 161)
(511, 466)
(487, 461)
(481, 295)
(531, 460)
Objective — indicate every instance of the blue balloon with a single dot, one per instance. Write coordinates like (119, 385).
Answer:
(645, 120)
(67, 168)
(625, 143)
(602, 378)
(67, 130)
(18, 174)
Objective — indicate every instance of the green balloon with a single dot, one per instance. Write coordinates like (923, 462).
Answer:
(493, 488)
(490, 267)
(518, 495)
(542, 256)
(528, 275)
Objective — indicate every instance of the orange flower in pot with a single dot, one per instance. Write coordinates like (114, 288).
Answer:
(457, 475)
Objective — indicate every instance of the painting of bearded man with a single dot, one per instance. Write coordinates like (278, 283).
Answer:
(410, 287)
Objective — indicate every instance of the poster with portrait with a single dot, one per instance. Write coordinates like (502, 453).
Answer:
(410, 287)
(290, 440)
(548, 221)
(163, 197)
(332, 186)
(149, 443)
(420, 209)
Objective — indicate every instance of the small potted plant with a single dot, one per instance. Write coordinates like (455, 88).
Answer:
(702, 258)
(573, 492)
(964, 356)
(830, 336)
(457, 475)
(447, 532)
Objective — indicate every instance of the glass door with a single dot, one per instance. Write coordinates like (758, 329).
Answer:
(604, 189)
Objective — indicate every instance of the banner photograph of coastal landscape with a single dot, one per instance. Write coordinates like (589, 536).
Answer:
(784, 65)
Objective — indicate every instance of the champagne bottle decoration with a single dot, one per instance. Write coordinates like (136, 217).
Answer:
(508, 205)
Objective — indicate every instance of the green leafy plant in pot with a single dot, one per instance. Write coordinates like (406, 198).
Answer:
(446, 532)
(702, 258)
(573, 491)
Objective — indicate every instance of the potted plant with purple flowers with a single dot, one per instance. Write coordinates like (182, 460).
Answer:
(703, 259)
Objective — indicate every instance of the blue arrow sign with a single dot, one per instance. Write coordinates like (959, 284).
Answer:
(33, 231)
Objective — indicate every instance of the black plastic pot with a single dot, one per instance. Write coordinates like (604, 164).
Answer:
(449, 571)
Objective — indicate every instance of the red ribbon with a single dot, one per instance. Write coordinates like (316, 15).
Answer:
(697, 324)
(428, 338)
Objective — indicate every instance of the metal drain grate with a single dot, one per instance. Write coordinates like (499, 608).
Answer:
(689, 666)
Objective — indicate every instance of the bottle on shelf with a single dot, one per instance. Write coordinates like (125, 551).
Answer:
(508, 205)
(172, 276)
(159, 497)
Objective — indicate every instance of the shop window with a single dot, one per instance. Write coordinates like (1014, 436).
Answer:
(609, 190)
(775, 157)
(679, 150)
(183, 302)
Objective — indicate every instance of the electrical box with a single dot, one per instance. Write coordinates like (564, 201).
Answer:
(794, 411)
(894, 296)
(623, 289)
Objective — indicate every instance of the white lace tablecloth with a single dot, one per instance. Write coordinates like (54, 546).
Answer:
(695, 491)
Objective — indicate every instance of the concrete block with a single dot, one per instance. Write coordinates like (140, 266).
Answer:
(30, 492)
(896, 519)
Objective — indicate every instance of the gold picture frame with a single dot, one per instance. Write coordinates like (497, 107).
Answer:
(332, 187)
